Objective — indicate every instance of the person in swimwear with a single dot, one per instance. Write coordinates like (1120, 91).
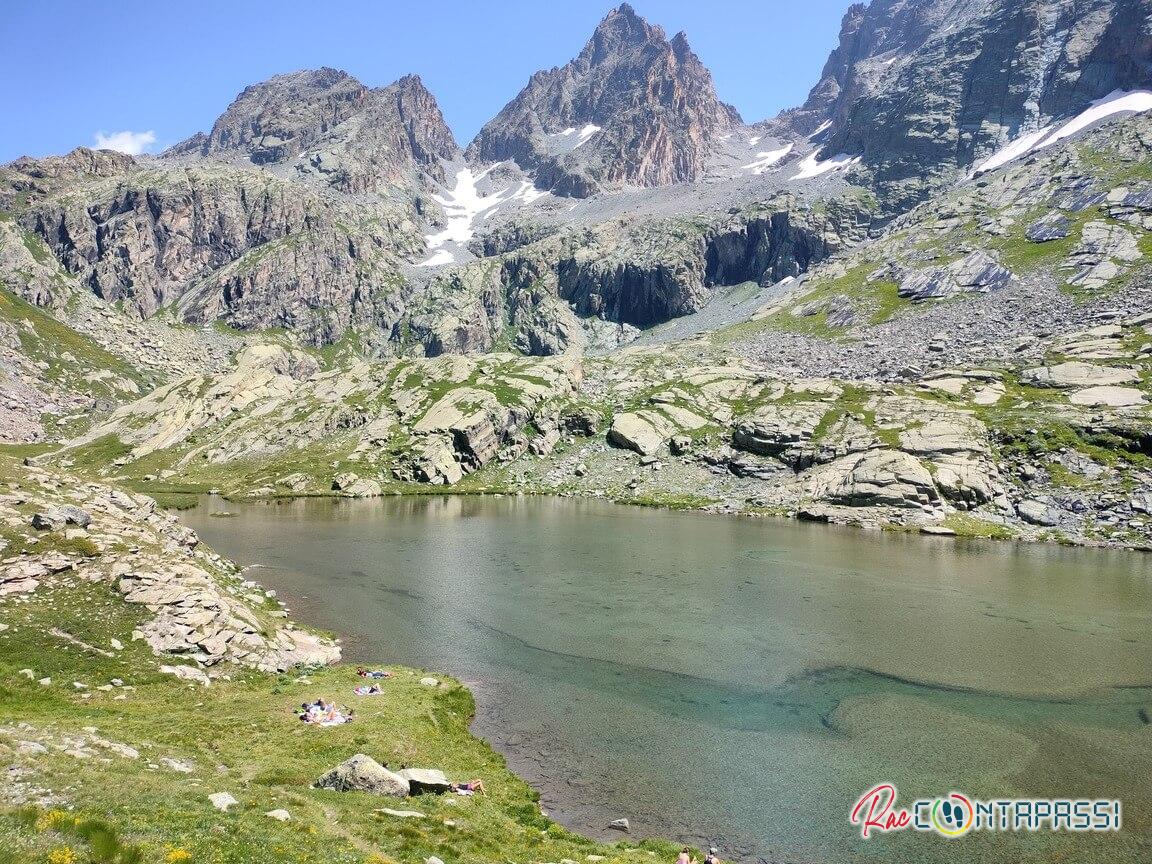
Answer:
(469, 787)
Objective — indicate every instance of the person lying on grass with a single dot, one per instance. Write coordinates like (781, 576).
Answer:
(374, 690)
(469, 787)
(372, 673)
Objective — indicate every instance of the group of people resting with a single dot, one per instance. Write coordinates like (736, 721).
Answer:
(321, 713)
(372, 675)
(686, 856)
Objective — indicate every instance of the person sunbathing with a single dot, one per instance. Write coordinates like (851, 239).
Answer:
(372, 673)
(469, 787)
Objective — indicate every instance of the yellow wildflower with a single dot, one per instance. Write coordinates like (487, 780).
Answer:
(51, 819)
(176, 855)
(62, 855)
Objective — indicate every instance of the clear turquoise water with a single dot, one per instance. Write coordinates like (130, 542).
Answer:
(740, 680)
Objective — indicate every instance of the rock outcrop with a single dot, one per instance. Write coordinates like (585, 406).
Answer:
(220, 243)
(327, 124)
(197, 607)
(633, 108)
(922, 91)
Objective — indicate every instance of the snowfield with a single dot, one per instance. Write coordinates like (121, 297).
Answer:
(1116, 102)
(813, 167)
(463, 206)
(766, 159)
(570, 139)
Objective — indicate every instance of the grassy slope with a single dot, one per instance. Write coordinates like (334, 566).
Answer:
(241, 737)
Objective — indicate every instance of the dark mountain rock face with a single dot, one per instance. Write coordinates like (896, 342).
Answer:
(647, 105)
(329, 125)
(923, 89)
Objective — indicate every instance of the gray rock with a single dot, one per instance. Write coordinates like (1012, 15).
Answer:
(1104, 249)
(635, 432)
(1054, 226)
(976, 272)
(1036, 513)
(364, 774)
(48, 520)
(425, 780)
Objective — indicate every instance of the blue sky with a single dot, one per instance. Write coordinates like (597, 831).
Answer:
(169, 68)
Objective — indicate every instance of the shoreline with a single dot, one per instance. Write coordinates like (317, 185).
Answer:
(855, 520)
(132, 748)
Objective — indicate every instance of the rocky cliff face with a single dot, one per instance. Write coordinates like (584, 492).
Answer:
(325, 123)
(600, 284)
(219, 242)
(923, 90)
(633, 108)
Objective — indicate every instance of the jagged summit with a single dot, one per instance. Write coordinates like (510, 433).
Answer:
(922, 91)
(327, 124)
(631, 108)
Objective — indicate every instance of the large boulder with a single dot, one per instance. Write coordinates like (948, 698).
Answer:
(876, 478)
(1103, 250)
(425, 780)
(639, 432)
(1054, 226)
(437, 462)
(73, 515)
(1108, 397)
(976, 272)
(955, 433)
(778, 430)
(355, 486)
(1036, 513)
(966, 482)
(1077, 374)
(364, 774)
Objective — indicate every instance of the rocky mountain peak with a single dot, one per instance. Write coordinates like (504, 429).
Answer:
(275, 119)
(327, 125)
(620, 30)
(922, 90)
(632, 108)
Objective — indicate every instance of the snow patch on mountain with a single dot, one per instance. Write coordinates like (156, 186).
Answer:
(814, 167)
(765, 159)
(1116, 102)
(463, 206)
(570, 139)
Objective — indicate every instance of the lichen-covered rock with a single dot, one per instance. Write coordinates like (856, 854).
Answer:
(1103, 251)
(875, 478)
(364, 774)
(1078, 374)
(1054, 226)
(975, 272)
(779, 430)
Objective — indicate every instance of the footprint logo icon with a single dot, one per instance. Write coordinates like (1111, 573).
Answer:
(952, 816)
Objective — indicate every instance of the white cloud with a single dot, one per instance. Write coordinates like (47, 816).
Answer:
(132, 143)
